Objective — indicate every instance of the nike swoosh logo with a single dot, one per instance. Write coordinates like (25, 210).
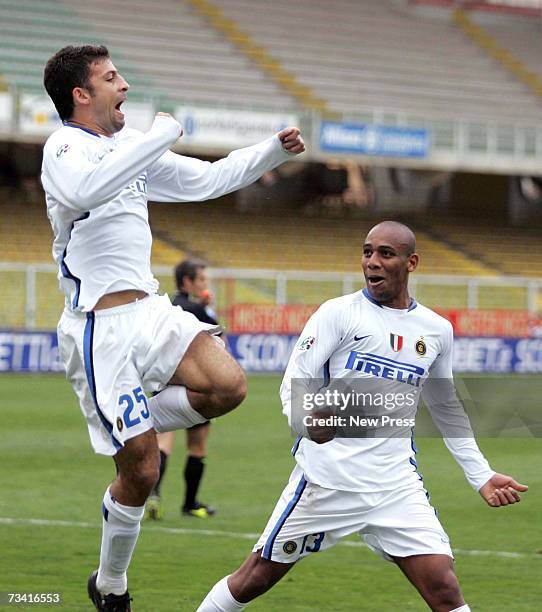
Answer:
(358, 338)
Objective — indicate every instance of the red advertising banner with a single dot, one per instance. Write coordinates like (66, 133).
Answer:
(501, 323)
(268, 318)
(290, 319)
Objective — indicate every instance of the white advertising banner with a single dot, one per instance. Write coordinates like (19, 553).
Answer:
(37, 115)
(138, 115)
(231, 129)
(6, 111)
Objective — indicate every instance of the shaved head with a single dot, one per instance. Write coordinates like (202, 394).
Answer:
(399, 233)
(389, 256)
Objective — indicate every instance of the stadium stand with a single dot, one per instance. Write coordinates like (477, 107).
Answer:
(30, 31)
(226, 238)
(375, 55)
(506, 250)
(287, 240)
(508, 60)
(259, 55)
(521, 35)
(175, 60)
(26, 235)
(25, 232)
(371, 55)
(179, 53)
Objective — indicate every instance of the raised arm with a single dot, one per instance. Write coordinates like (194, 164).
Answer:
(177, 178)
(83, 184)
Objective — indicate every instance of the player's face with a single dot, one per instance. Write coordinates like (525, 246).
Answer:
(199, 285)
(386, 265)
(106, 96)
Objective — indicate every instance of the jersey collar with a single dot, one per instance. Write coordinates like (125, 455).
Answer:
(80, 127)
(366, 293)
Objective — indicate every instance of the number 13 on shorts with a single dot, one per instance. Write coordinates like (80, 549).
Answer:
(134, 408)
(312, 543)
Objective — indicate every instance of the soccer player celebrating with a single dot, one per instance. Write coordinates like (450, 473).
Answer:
(370, 485)
(119, 339)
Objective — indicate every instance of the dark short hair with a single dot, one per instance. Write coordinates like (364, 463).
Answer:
(188, 268)
(69, 68)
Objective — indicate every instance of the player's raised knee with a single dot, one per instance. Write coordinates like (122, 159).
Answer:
(230, 392)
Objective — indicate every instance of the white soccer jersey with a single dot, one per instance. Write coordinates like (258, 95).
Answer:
(97, 190)
(354, 337)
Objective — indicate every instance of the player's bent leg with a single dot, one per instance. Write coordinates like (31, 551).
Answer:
(434, 578)
(216, 383)
(255, 577)
(123, 509)
(171, 410)
(138, 465)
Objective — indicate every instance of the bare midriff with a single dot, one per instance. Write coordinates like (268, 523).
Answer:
(119, 298)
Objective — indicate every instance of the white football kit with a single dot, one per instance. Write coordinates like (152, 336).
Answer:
(369, 485)
(97, 190)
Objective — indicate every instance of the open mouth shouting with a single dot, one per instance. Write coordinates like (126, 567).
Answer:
(375, 281)
(118, 112)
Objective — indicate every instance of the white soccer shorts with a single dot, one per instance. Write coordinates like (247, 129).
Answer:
(308, 519)
(113, 356)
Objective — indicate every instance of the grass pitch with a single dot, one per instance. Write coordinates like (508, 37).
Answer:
(52, 485)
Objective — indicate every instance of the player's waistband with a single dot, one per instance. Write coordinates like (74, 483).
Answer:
(115, 310)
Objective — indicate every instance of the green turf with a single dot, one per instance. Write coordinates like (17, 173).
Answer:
(49, 472)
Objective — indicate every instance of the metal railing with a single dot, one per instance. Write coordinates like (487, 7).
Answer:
(31, 299)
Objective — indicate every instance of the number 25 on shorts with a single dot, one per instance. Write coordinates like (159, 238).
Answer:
(134, 411)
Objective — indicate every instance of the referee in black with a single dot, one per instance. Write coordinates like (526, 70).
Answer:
(193, 296)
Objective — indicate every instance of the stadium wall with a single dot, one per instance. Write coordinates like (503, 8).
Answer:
(413, 142)
(37, 352)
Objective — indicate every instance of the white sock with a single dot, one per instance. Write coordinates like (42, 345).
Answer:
(171, 410)
(119, 537)
(464, 608)
(220, 599)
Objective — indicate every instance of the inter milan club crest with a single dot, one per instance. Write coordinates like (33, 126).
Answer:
(289, 547)
(421, 347)
(396, 342)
